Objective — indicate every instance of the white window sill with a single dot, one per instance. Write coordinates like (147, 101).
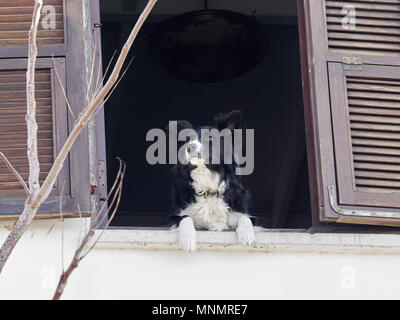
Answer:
(266, 241)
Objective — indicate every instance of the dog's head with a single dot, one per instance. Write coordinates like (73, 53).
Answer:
(210, 145)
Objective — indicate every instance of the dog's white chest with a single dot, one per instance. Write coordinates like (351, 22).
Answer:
(209, 211)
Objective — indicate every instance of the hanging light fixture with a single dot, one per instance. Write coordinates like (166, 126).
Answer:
(209, 45)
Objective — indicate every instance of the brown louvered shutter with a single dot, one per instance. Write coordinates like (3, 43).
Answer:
(351, 66)
(61, 67)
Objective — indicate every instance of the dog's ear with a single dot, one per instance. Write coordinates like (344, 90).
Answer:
(183, 124)
(229, 120)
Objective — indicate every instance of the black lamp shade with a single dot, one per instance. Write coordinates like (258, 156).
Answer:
(209, 45)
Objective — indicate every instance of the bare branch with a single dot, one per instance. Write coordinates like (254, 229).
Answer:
(62, 226)
(105, 73)
(113, 88)
(15, 172)
(33, 157)
(79, 253)
(63, 89)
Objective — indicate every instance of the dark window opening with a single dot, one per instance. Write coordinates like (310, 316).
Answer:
(270, 96)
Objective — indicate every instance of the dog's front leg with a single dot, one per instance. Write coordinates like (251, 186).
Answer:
(187, 235)
(245, 230)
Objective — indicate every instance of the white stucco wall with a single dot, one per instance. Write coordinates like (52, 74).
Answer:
(147, 265)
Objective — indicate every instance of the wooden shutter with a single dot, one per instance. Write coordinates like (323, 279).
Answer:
(62, 68)
(351, 70)
(52, 129)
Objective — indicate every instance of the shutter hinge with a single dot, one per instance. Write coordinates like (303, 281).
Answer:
(101, 180)
(352, 63)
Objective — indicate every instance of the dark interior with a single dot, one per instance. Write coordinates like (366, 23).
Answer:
(270, 96)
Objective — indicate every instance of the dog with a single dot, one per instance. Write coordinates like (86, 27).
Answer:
(208, 195)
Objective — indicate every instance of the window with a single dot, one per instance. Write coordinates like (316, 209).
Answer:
(270, 96)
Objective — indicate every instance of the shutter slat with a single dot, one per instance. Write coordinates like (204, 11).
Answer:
(375, 183)
(371, 87)
(375, 127)
(17, 144)
(44, 167)
(376, 159)
(11, 3)
(373, 95)
(374, 104)
(18, 86)
(375, 111)
(376, 151)
(377, 23)
(22, 111)
(378, 175)
(368, 45)
(11, 178)
(21, 119)
(376, 167)
(10, 10)
(375, 135)
(21, 162)
(22, 152)
(10, 103)
(332, 28)
(363, 37)
(40, 34)
(375, 6)
(374, 119)
(376, 143)
(365, 14)
(14, 128)
(24, 17)
(18, 95)
(42, 134)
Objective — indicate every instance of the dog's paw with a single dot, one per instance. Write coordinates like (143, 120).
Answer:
(187, 235)
(245, 231)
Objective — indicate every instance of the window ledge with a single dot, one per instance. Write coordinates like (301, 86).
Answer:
(266, 241)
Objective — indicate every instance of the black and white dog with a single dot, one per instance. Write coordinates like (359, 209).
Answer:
(206, 195)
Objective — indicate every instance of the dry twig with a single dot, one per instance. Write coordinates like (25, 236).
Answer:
(86, 244)
(15, 172)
